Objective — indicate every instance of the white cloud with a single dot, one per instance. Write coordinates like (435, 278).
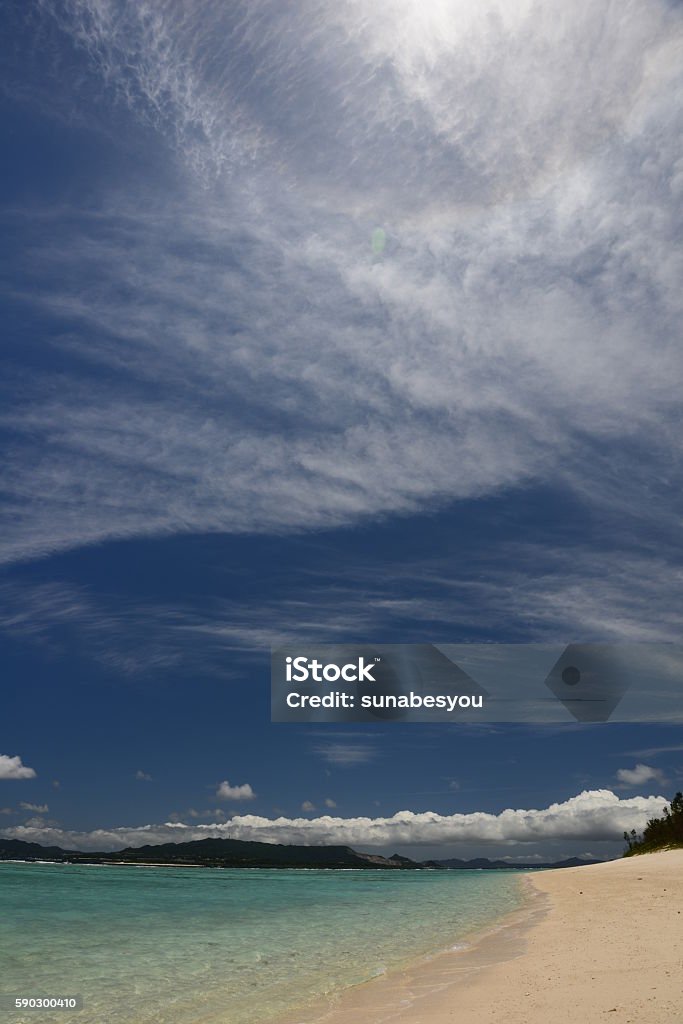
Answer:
(531, 858)
(12, 768)
(227, 792)
(61, 615)
(329, 802)
(216, 814)
(301, 380)
(639, 775)
(591, 816)
(623, 595)
(143, 776)
(307, 806)
(37, 808)
(346, 754)
(39, 823)
(656, 751)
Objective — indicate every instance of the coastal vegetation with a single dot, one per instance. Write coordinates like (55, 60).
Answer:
(659, 833)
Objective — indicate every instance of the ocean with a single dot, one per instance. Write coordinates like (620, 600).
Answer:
(208, 946)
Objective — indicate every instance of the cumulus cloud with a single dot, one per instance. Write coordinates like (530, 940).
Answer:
(329, 802)
(307, 806)
(227, 792)
(216, 814)
(592, 816)
(143, 776)
(12, 768)
(36, 808)
(271, 369)
(639, 775)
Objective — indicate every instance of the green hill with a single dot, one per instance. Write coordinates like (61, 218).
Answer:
(224, 853)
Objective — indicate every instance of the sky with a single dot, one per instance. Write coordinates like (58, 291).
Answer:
(335, 322)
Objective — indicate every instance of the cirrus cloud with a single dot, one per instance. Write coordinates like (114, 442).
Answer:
(238, 356)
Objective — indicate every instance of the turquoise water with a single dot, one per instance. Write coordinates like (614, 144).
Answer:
(183, 945)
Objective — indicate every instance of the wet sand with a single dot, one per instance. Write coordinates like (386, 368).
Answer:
(597, 943)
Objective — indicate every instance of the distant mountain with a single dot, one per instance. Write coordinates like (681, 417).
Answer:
(484, 864)
(224, 853)
(17, 849)
(238, 853)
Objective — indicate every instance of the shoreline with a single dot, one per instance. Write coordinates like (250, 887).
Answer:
(597, 942)
(393, 994)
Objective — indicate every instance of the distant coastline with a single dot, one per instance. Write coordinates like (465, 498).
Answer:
(235, 853)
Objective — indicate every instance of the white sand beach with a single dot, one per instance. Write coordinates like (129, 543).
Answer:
(599, 943)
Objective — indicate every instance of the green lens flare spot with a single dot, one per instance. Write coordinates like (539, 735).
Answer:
(379, 240)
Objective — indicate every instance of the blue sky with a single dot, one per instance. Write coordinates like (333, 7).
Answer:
(334, 322)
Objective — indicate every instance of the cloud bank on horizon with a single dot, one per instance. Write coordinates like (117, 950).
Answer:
(596, 815)
(241, 348)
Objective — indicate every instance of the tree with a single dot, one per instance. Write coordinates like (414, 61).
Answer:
(659, 833)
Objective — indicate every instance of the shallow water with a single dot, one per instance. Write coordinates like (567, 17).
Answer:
(183, 945)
